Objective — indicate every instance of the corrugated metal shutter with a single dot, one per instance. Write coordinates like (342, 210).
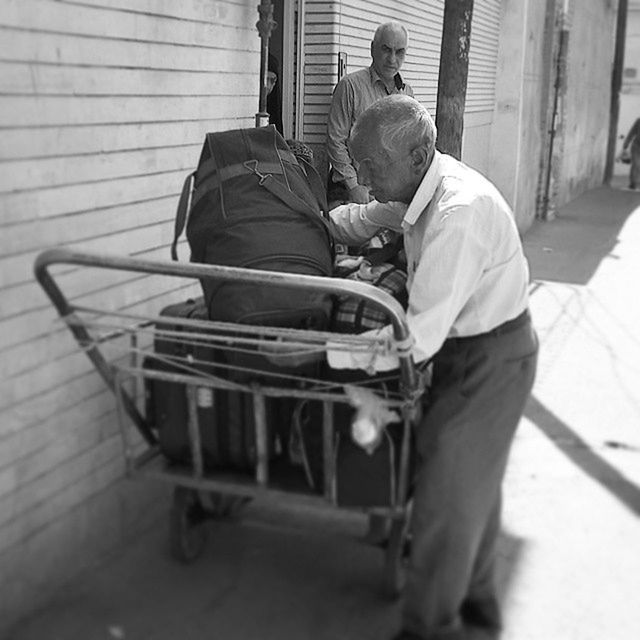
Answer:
(483, 56)
(349, 26)
(104, 108)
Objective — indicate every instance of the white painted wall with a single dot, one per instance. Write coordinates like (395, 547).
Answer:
(630, 91)
(524, 99)
(481, 84)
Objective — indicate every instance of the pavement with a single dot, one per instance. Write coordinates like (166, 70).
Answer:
(570, 547)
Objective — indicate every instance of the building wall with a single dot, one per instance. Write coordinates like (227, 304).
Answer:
(524, 156)
(630, 91)
(481, 84)
(586, 98)
(522, 108)
(103, 109)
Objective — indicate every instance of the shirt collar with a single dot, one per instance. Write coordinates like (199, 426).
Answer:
(425, 191)
(397, 79)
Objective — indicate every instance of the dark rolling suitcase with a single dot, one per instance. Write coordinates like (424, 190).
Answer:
(361, 479)
(225, 418)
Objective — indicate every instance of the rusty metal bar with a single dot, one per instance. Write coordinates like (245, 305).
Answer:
(328, 461)
(262, 439)
(403, 481)
(339, 286)
(193, 424)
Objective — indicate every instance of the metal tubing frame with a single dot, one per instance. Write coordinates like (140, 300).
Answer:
(337, 286)
(410, 380)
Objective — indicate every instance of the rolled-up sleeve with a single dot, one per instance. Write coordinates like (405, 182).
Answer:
(353, 224)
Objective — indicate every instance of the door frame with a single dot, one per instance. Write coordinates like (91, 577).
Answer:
(292, 73)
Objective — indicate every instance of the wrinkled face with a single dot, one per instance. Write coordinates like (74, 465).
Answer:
(388, 179)
(388, 53)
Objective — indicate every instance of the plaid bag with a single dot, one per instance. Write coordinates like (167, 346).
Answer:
(352, 315)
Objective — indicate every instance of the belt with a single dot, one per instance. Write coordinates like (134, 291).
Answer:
(502, 329)
(511, 325)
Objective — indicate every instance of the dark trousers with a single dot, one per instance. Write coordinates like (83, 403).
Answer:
(479, 389)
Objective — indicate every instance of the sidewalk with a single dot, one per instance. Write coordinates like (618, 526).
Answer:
(570, 550)
(572, 495)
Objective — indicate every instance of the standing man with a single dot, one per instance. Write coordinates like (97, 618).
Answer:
(468, 314)
(351, 96)
(632, 141)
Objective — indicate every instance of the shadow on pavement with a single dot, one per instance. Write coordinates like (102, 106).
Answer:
(583, 456)
(570, 247)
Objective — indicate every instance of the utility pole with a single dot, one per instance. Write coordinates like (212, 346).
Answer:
(452, 77)
(616, 84)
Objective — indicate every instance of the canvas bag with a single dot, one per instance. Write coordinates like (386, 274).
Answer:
(253, 203)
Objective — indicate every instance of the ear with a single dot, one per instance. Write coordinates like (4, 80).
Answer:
(420, 158)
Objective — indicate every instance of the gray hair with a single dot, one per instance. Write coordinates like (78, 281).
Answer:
(393, 123)
(391, 26)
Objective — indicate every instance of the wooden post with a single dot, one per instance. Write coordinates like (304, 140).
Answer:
(452, 78)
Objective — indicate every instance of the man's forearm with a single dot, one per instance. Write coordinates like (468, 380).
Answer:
(341, 161)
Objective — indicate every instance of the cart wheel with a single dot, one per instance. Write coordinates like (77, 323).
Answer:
(187, 533)
(394, 559)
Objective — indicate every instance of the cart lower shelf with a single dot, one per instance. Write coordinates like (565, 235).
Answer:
(197, 501)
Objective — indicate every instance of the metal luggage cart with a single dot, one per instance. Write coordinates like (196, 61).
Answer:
(117, 342)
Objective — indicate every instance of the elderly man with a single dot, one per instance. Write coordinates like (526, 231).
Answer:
(351, 96)
(468, 314)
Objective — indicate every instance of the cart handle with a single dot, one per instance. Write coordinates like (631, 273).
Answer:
(337, 286)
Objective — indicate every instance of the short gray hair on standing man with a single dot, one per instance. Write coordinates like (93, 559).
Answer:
(394, 123)
(392, 25)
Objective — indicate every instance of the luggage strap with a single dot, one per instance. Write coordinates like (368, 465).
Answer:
(181, 214)
(296, 203)
(211, 178)
(315, 182)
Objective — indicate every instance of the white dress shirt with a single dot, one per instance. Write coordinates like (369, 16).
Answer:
(467, 272)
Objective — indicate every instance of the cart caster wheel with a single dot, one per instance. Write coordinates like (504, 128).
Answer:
(395, 559)
(187, 533)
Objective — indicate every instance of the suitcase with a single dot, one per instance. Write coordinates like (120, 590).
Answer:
(225, 418)
(361, 479)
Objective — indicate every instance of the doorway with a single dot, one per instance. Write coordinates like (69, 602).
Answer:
(285, 48)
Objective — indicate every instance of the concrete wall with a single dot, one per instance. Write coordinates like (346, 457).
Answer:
(586, 98)
(521, 105)
(103, 109)
(630, 91)
(522, 158)
(481, 84)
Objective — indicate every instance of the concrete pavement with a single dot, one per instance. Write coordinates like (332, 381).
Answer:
(570, 550)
